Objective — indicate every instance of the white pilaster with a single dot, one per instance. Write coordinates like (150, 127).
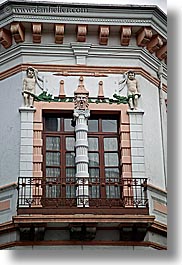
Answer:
(137, 143)
(26, 141)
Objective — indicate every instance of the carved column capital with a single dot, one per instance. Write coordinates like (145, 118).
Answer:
(78, 112)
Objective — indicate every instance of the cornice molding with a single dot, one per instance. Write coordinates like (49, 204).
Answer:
(32, 49)
(7, 187)
(154, 188)
(84, 14)
(7, 227)
(80, 20)
(73, 49)
(159, 227)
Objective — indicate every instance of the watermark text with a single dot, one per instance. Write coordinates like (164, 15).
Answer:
(45, 10)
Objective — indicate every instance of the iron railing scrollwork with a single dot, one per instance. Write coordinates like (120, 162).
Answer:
(53, 193)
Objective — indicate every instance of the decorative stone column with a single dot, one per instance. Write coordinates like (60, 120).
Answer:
(137, 144)
(81, 115)
(26, 141)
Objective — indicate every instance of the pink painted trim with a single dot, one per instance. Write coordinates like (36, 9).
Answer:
(124, 129)
(4, 205)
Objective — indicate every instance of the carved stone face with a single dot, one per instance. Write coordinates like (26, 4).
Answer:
(131, 76)
(30, 73)
(81, 101)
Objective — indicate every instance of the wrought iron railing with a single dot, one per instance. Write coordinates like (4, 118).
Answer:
(92, 192)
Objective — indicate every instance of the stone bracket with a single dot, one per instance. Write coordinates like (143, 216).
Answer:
(36, 32)
(125, 35)
(5, 38)
(18, 32)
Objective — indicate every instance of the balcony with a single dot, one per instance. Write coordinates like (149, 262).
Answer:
(86, 196)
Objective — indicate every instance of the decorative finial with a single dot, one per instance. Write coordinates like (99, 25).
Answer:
(61, 90)
(101, 90)
(81, 88)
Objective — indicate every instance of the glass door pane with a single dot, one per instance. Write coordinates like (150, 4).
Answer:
(52, 124)
(70, 183)
(52, 143)
(109, 125)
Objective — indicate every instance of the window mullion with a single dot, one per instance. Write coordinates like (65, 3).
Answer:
(63, 164)
(102, 166)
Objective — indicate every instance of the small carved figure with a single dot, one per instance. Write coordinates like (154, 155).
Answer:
(29, 83)
(132, 89)
(81, 101)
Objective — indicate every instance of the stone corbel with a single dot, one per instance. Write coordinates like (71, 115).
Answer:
(36, 32)
(18, 32)
(5, 38)
(125, 35)
(155, 44)
(162, 52)
(143, 36)
(59, 33)
(81, 33)
(103, 35)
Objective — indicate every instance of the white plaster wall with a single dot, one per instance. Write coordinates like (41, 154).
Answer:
(149, 102)
(10, 101)
(110, 84)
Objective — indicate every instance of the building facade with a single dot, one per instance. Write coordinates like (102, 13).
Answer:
(83, 92)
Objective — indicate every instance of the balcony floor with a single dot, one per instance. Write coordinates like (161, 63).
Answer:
(82, 210)
(84, 218)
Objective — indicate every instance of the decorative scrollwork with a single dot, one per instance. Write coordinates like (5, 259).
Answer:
(29, 201)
